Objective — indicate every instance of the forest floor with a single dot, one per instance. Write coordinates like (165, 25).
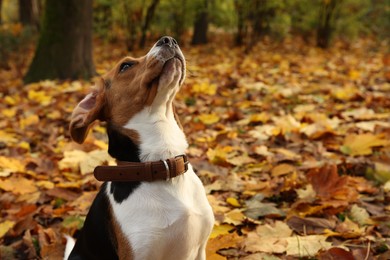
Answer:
(291, 142)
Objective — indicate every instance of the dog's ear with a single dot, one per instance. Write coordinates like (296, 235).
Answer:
(86, 112)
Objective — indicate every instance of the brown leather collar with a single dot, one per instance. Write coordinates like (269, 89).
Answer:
(143, 171)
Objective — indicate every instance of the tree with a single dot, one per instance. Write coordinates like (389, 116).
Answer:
(326, 23)
(179, 15)
(201, 24)
(64, 48)
(147, 21)
(28, 13)
(1, 5)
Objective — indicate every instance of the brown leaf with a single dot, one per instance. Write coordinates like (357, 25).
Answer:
(310, 226)
(50, 244)
(63, 194)
(328, 184)
(336, 253)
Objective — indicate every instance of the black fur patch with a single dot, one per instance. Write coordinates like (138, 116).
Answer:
(94, 239)
(122, 190)
(122, 148)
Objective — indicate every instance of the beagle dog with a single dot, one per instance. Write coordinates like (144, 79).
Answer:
(152, 205)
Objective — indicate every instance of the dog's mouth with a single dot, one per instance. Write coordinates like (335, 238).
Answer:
(167, 67)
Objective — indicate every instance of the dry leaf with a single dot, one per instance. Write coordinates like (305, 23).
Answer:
(307, 246)
(362, 144)
(5, 226)
(18, 185)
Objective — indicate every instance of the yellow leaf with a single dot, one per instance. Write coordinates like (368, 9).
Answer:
(209, 119)
(7, 137)
(221, 230)
(10, 100)
(54, 115)
(32, 119)
(234, 217)
(39, 96)
(45, 184)
(224, 241)
(24, 145)
(219, 154)
(9, 112)
(205, 88)
(18, 185)
(77, 160)
(345, 93)
(262, 117)
(101, 144)
(362, 144)
(354, 74)
(10, 165)
(233, 201)
(5, 226)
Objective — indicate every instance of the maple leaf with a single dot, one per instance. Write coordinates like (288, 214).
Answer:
(328, 184)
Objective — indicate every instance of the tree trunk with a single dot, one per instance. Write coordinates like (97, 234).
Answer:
(148, 20)
(201, 25)
(1, 5)
(29, 13)
(64, 48)
(326, 23)
(239, 38)
(179, 17)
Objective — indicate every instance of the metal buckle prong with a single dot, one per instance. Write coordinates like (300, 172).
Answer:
(167, 169)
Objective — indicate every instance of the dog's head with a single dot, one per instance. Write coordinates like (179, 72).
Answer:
(151, 81)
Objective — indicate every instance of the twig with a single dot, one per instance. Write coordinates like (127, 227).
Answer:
(368, 250)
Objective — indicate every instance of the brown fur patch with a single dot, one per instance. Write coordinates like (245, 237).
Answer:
(123, 247)
(131, 90)
(121, 93)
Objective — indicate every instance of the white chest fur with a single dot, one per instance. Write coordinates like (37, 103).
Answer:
(164, 219)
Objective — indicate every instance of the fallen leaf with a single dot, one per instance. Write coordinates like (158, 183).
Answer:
(5, 226)
(18, 185)
(310, 226)
(328, 184)
(336, 253)
(307, 246)
(360, 215)
(233, 201)
(234, 217)
(221, 242)
(221, 230)
(362, 144)
(282, 169)
(209, 119)
(10, 165)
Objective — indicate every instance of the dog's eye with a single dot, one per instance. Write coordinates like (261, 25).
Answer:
(126, 65)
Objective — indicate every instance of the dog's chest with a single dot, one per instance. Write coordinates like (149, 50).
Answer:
(171, 217)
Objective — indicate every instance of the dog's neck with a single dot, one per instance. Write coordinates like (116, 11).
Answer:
(160, 138)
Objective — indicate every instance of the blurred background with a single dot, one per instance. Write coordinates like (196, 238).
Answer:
(286, 107)
(54, 39)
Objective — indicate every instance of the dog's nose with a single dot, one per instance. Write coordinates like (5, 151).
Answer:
(166, 40)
